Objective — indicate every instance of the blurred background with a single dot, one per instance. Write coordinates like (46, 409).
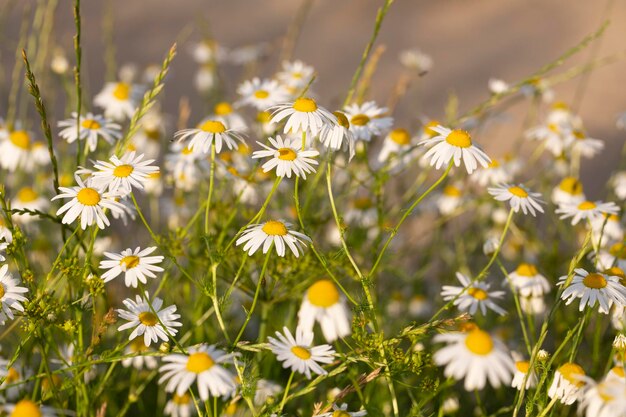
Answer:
(469, 42)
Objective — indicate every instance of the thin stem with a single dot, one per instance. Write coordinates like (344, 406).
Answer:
(256, 296)
(211, 181)
(284, 400)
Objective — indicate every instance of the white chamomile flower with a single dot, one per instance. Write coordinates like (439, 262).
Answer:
(583, 145)
(3, 248)
(569, 191)
(224, 112)
(27, 408)
(138, 347)
(416, 60)
(90, 128)
(604, 399)
(475, 356)
(324, 303)
(122, 174)
(287, 157)
(88, 202)
(615, 255)
(11, 296)
(16, 150)
(396, 147)
(450, 199)
(342, 411)
(207, 133)
(202, 364)
(607, 228)
(552, 135)
(299, 354)
(28, 199)
(522, 369)
(135, 265)
(498, 86)
(528, 282)
(472, 296)
(118, 99)
(587, 210)
(567, 383)
(368, 120)
(454, 145)
(337, 136)
(274, 232)
(618, 182)
(180, 406)
(495, 173)
(261, 94)
(518, 197)
(153, 322)
(295, 74)
(303, 116)
(594, 287)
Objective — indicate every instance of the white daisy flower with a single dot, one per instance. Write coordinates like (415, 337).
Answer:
(586, 210)
(138, 347)
(615, 255)
(287, 157)
(274, 232)
(91, 128)
(475, 356)
(591, 287)
(583, 145)
(261, 94)
(299, 354)
(528, 282)
(561, 114)
(454, 145)
(28, 198)
(295, 74)
(618, 181)
(368, 120)
(450, 199)
(303, 115)
(337, 136)
(567, 383)
(88, 203)
(203, 365)
(27, 408)
(533, 304)
(207, 133)
(607, 228)
(153, 323)
(135, 265)
(342, 411)
(495, 173)
(569, 191)
(264, 390)
(518, 197)
(416, 60)
(224, 112)
(3, 248)
(472, 296)
(324, 303)
(119, 100)
(16, 150)
(604, 399)
(11, 296)
(552, 135)
(120, 175)
(396, 147)
(521, 370)
(180, 406)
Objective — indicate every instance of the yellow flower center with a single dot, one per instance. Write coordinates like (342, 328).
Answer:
(123, 171)
(20, 138)
(199, 362)
(428, 128)
(595, 281)
(451, 191)
(526, 270)
(522, 366)
(181, 399)
(152, 133)
(186, 150)
(137, 345)
(323, 294)
(274, 228)
(606, 397)
(571, 186)
(263, 117)
(363, 203)
(360, 120)
(571, 372)
(27, 194)
(493, 164)
(213, 126)
(130, 261)
(340, 413)
(231, 409)
(48, 383)
(615, 271)
(301, 352)
(122, 91)
(518, 192)
(261, 94)
(619, 371)
(90, 124)
(304, 104)
(560, 105)
(587, 205)
(12, 376)
(618, 250)
(553, 127)
(459, 138)
(26, 408)
(147, 318)
(287, 154)
(579, 134)
(88, 197)
(479, 342)
(400, 136)
(478, 294)
(342, 120)
(223, 108)
(2, 291)
(154, 175)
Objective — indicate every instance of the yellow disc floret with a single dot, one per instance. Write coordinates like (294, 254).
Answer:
(27, 195)
(123, 171)
(400, 136)
(304, 104)
(213, 126)
(301, 352)
(518, 192)
(274, 228)
(459, 138)
(323, 293)
(121, 91)
(129, 262)
(572, 373)
(595, 281)
(88, 197)
(479, 342)
(526, 270)
(26, 408)
(199, 362)
(20, 138)
(287, 154)
(148, 318)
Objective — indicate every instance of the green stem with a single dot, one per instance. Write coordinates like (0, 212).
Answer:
(211, 180)
(284, 400)
(256, 296)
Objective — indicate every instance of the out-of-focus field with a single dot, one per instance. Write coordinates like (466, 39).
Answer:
(470, 41)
